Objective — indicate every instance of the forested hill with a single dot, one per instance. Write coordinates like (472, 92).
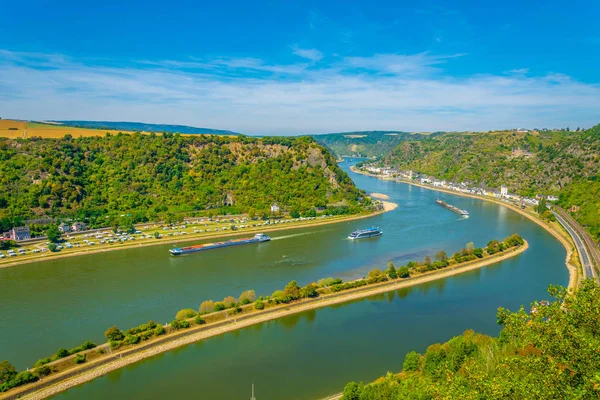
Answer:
(150, 176)
(143, 127)
(560, 163)
(367, 143)
(548, 353)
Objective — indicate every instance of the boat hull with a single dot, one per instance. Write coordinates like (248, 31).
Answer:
(213, 246)
(365, 237)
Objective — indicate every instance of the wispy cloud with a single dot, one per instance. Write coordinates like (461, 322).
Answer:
(311, 54)
(383, 91)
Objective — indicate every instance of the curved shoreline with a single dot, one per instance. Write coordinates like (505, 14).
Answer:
(565, 240)
(154, 242)
(71, 378)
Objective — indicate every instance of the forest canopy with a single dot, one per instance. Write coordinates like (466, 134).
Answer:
(148, 176)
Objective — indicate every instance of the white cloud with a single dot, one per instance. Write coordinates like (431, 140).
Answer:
(311, 54)
(249, 95)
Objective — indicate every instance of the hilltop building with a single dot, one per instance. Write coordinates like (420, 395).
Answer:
(275, 208)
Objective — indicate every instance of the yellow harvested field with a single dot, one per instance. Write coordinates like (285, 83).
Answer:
(31, 129)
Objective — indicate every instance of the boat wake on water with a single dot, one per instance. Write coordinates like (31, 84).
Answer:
(295, 235)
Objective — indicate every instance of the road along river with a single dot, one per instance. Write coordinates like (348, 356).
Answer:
(49, 305)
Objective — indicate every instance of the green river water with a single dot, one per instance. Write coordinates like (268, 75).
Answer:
(61, 303)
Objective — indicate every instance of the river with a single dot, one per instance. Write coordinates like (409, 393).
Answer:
(61, 303)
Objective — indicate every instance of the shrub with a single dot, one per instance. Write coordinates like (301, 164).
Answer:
(52, 247)
(391, 271)
(229, 301)
(131, 339)
(184, 324)
(478, 252)
(219, 306)
(159, 330)
(247, 297)
(207, 307)
(80, 359)
(186, 313)
(199, 320)
(42, 361)
(114, 334)
(259, 305)
(62, 353)
(176, 324)
(403, 272)
(42, 371)
(115, 344)
(308, 291)
(278, 294)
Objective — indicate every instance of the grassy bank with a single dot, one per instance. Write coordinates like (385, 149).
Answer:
(555, 229)
(132, 345)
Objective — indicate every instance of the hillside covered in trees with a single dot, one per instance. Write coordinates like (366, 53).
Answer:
(368, 143)
(550, 352)
(529, 163)
(147, 177)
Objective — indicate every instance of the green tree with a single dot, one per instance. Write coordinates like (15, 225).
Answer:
(42, 370)
(412, 362)
(53, 234)
(308, 291)
(541, 207)
(403, 272)
(206, 307)
(114, 334)
(247, 297)
(391, 271)
(7, 371)
(259, 304)
(292, 290)
(352, 391)
(52, 247)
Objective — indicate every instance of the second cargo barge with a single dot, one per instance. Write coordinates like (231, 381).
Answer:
(462, 213)
(258, 238)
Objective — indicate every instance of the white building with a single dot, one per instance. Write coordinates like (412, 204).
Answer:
(504, 191)
(274, 208)
(552, 198)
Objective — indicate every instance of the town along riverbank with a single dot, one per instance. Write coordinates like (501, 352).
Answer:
(102, 360)
(555, 229)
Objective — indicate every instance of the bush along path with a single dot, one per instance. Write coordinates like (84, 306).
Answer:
(64, 363)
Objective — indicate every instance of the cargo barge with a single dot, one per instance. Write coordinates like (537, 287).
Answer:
(462, 213)
(258, 238)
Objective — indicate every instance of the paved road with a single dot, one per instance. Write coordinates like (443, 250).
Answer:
(584, 256)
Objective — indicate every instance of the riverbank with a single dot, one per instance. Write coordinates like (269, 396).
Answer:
(77, 375)
(560, 234)
(387, 206)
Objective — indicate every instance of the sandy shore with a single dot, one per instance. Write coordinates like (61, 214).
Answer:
(559, 234)
(167, 240)
(118, 360)
(380, 196)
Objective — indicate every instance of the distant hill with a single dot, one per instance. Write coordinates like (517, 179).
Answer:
(365, 143)
(143, 127)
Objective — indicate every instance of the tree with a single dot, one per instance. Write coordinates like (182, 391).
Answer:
(259, 304)
(7, 371)
(309, 291)
(207, 307)
(292, 290)
(114, 334)
(541, 208)
(229, 301)
(53, 234)
(42, 370)
(219, 306)
(52, 247)
(352, 391)
(247, 297)
(156, 235)
(186, 313)
(403, 272)
(412, 362)
(391, 271)
(427, 261)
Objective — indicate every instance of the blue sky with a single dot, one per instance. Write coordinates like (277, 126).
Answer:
(304, 67)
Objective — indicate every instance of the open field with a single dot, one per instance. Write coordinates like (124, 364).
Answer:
(31, 129)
